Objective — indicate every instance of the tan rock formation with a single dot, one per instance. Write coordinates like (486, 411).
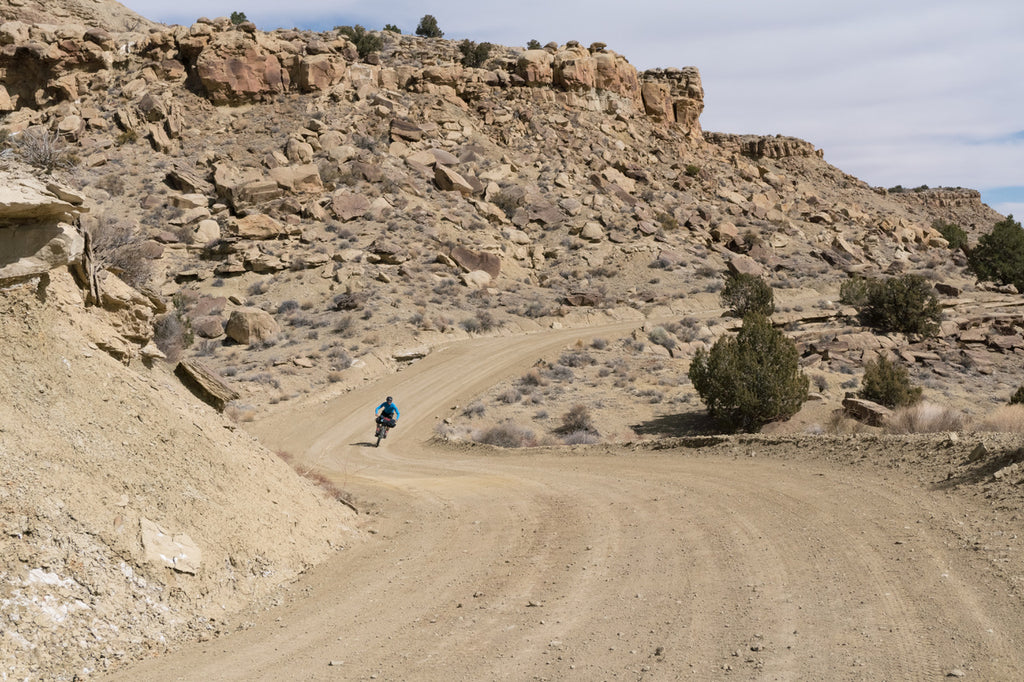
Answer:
(35, 231)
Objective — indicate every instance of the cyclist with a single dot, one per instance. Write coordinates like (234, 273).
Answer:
(387, 410)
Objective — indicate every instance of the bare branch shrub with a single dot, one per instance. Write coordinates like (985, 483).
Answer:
(44, 150)
(118, 248)
(577, 419)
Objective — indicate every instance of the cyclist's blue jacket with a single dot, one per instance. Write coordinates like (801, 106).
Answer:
(393, 411)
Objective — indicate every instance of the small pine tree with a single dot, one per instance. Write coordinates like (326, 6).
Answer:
(888, 383)
(999, 255)
(744, 294)
(428, 27)
(952, 233)
(474, 55)
(751, 379)
(238, 18)
(533, 45)
(905, 304)
(364, 41)
(392, 29)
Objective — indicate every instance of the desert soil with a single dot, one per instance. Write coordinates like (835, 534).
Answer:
(727, 558)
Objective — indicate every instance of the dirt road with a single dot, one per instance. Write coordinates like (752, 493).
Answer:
(603, 563)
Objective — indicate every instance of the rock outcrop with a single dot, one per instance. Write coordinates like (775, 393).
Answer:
(36, 230)
(236, 64)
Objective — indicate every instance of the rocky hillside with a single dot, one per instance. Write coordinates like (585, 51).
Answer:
(358, 211)
(122, 522)
(106, 14)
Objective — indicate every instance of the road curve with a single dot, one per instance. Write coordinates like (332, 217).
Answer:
(609, 563)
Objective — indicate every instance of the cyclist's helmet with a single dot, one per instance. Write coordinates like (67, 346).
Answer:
(388, 399)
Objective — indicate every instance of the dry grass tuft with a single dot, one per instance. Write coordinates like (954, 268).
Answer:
(507, 435)
(1004, 419)
(926, 418)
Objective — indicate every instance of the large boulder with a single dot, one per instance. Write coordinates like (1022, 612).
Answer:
(234, 68)
(316, 73)
(476, 260)
(574, 69)
(348, 205)
(250, 325)
(257, 226)
(535, 67)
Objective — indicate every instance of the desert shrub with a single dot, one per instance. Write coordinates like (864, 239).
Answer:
(535, 309)
(1018, 397)
(474, 54)
(238, 18)
(172, 334)
(486, 320)
(577, 419)
(345, 325)
(668, 221)
(475, 409)
(117, 246)
(533, 378)
(126, 137)
(340, 359)
(661, 337)
(42, 149)
(581, 438)
(391, 28)
(692, 170)
(507, 201)
(576, 358)
(534, 44)
(509, 396)
(364, 41)
(349, 301)
(854, 291)
(506, 435)
(905, 304)
(752, 378)
(560, 372)
(952, 233)
(428, 27)
(744, 294)
(287, 307)
(925, 418)
(888, 383)
(999, 255)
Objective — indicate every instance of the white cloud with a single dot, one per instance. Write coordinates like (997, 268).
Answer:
(895, 93)
(1011, 208)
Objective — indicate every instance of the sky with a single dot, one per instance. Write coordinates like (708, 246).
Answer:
(896, 92)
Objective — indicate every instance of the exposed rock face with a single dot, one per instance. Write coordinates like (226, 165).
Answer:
(675, 95)
(35, 234)
(764, 146)
(234, 68)
(235, 65)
